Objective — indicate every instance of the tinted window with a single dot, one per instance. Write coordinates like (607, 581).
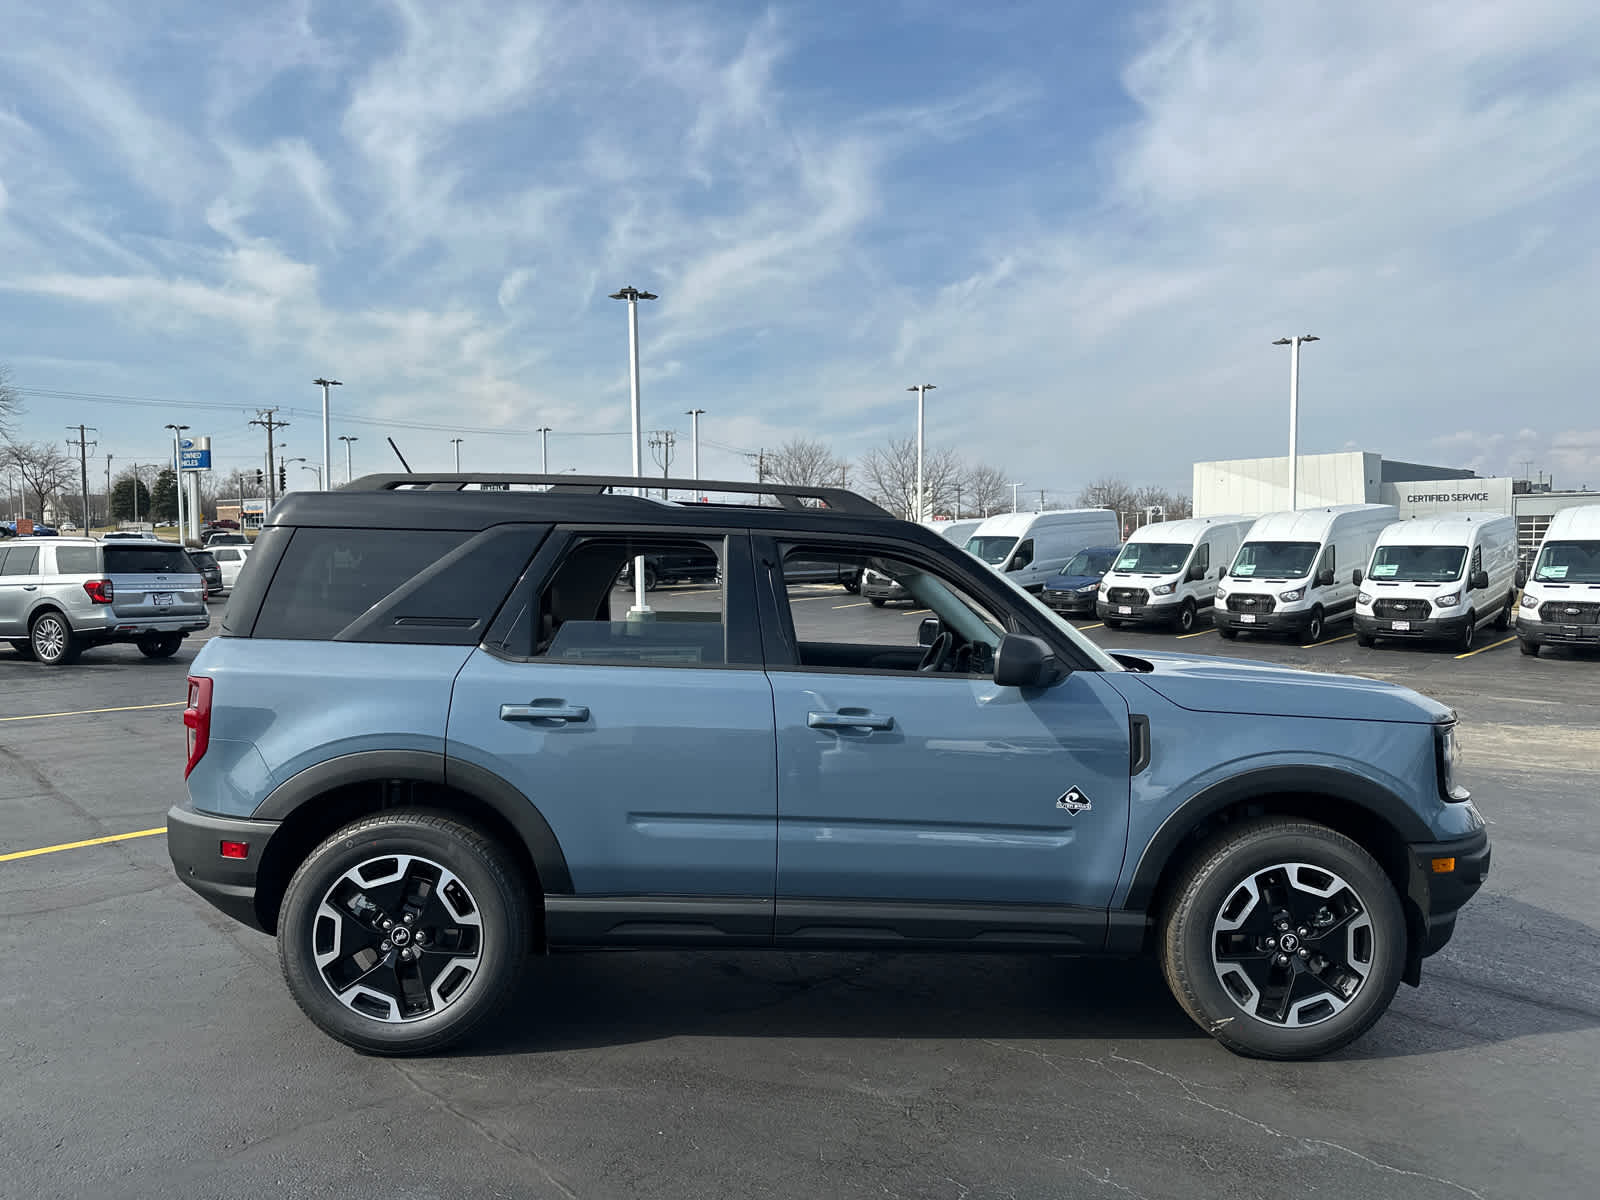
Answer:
(202, 559)
(227, 555)
(20, 560)
(329, 577)
(147, 560)
(77, 560)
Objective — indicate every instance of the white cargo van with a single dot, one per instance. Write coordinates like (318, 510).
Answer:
(955, 531)
(1295, 571)
(1561, 597)
(1031, 547)
(1439, 578)
(1167, 572)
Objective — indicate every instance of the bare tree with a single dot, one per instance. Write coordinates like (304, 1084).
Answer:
(803, 462)
(10, 403)
(45, 470)
(890, 473)
(984, 491)
(1108, 492)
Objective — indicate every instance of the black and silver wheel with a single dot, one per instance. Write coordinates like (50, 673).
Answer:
(161, 645)
(51, 640)
(1502, 620)
(1469, 635)
(1284, 940)
(1315, 627)
(1187, 615)
(403, 931)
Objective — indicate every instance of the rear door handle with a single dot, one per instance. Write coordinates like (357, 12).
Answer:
(849, 718)
(544, 712)
(30, 587)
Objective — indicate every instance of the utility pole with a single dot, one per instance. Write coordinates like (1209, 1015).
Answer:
(327, 446)
(694, 417)
(108, 490)
(83, 465)
(544, 449)
(662, 442)
(1041, 499)
(267, 420)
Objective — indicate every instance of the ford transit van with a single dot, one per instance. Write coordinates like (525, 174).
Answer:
(1031, 547)
(1439, 578)
(1561, 596)
(1167, 572)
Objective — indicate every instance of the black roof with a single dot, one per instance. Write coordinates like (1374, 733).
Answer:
(446, 501)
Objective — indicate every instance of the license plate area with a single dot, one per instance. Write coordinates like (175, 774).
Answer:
(1400, 626)
(1247, 618)
(162, 599)
(1124, 609)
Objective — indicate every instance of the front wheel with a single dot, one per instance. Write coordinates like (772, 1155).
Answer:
(51, 640)
(650, 579)
(1283, 939)
(877, 601)
(1314, 627)
(1187, 615)
(1366, 641)
(403, 932)
(853, 585)
(1112, 623)
(163, 645)
(1467, 636)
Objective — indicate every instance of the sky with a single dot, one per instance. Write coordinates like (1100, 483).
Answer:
(1085, 223)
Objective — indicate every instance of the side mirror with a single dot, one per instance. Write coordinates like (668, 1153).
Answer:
(1016, 564)
(1325, 579)
(1356, 577)
(1024, 662)
(1479, 581)
(1521, 579)
(1196, 572)
(929, 630)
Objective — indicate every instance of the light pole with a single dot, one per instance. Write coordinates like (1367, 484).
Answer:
(1014, 487)
(349, 474)
(327, 446)
(177, 468)
(284, 466)
(920, 389)
(633, 295)
(544, 449)
(1294, 412)
(694, 436)
(318, 470)
(456, 442)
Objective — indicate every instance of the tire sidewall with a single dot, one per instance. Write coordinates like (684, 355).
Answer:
(1186, 617)
(66, 639)
(1316, 626)
(1248, 1034)
(503, 937)
(1469, 635)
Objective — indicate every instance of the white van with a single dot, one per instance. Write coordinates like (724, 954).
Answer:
(1167, 572)
(1031, 547)
(1296, 570)
(1439, 578)
(1561, 596)
(955, 531)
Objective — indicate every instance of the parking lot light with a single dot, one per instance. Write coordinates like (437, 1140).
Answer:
(1294, 411)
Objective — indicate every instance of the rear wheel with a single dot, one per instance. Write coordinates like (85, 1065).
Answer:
(1531, 649)
(853, 585)
(1113, 623)
(1283, 939)
(52, 640)
(650, 579)
(163, 645)
(404, 931)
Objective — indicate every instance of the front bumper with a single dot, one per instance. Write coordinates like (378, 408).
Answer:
(1069, 602)
(1440, 895)
(1272, 622)
(884, 591)
(1422, 629)
(1149, 613)
(193, 842)
(1548, 633)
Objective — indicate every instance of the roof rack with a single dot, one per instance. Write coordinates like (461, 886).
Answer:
(790, 497)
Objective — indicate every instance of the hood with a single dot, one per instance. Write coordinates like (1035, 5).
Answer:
(1239, 685)
(1069, 583)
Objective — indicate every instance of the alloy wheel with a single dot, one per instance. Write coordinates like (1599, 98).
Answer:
(49, 638)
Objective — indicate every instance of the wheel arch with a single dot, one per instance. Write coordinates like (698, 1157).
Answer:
(320, 799)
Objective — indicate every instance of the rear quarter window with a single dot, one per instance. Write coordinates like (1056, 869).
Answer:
(77, 560)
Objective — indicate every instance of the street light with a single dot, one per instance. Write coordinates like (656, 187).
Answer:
(544, 449)
(347, 440)
(456, 442)
(633, 295)
(284, 465)
(327, 450)
(920, 389)
(177, 474)
(694, 437)
(1013, 487)
(1294, 412)
(318, 470)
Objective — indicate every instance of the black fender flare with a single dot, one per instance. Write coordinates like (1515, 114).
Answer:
(1373, 798)
(367, 766)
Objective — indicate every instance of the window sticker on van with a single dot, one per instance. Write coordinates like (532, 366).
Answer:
(1244, 569)
(1384, 570)
(1129, 563)
(1554, 572)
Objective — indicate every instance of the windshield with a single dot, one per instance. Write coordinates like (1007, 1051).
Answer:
(1568, 562)
(1153, 558)
(993, 550)
(1089, 562)
(1418, 564)
(1275, 560)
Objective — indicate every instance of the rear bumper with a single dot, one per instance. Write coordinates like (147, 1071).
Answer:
(193, 842)
(1440, 895)
(1428, 629)
(113, 628)
(1548, 633)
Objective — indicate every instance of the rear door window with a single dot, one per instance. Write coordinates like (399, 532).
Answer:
(20, 560)
(147, 560)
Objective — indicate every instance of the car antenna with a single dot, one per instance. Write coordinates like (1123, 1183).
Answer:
(400, 456)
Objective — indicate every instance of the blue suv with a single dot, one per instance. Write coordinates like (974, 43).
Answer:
(436, 736)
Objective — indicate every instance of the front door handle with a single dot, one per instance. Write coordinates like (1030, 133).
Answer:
(544, 711)
(30, 587)
(849, 718)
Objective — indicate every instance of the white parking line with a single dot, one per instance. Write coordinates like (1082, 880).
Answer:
(857, 604)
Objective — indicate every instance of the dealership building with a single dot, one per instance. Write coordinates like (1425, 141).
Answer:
(1260, 485)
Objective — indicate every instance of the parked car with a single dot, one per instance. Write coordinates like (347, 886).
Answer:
(222, 537)
(1561, 596)
(69, 527)
(65, 595)
(1290, 845)
(230, 561)
(123, 535)
(209, 571)
(1168, 571)
(880, 587)
(1031, 547)
(845, 573)
(1439, 579)
(1071, 590)
(1295, 571)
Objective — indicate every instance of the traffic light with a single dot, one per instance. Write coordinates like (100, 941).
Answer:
(261, 477)
(283, 479)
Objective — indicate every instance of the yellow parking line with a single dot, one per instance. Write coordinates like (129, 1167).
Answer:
(1201, 633)
(1326, 642)
(917, 612)
(101, 841)
(1083, 628)
(84, 712)
(857, 604)
(1490, 646)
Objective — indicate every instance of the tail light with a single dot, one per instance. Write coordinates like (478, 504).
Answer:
(100, 590)
(197, 720)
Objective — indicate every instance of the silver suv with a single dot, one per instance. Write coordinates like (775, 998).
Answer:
(60, 596)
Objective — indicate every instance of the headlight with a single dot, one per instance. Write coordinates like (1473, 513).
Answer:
(1294, 595)
(1104, 588)
(1529, 601)
(1164, 589)
(1449, 753)
(1364, 598)
(1450, 601)
(1087, 588)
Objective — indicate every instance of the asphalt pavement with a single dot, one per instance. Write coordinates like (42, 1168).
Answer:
(149, 1048)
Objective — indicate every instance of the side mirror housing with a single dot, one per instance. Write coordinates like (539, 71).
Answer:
(1025, 662)
(1325, 579)
(1196, 572)
(1522, 576)
(929, 630)
(1356, 577)
(1016, 564)
(1479, 581)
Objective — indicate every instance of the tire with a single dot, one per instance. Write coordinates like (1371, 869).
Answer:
(1187, 615)
(50, 637)
(1242, 877)
(1502, 620)
(465, 991)
(1366, 640)
(1315, 627)
(23, 647)
(1469, 635)
(161, 646)
(853, 585)
(1531, 649)
(877, 601)
(1227, 633)
(651, 582)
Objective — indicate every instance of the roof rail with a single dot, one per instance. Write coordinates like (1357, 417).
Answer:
(790, 497)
